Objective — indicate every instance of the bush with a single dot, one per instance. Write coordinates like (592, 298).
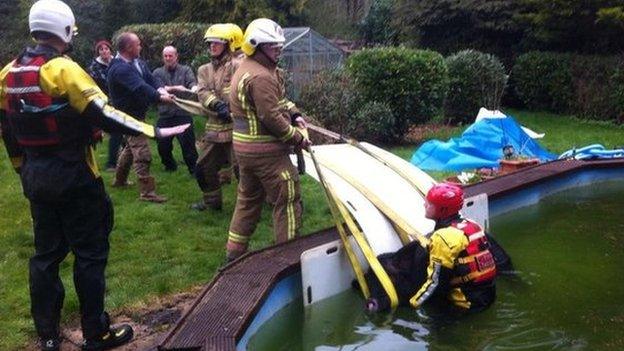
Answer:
(373, 122)
(188, 38)
(593, 82)
(588, 86)
(331, 98)
(543, 81)
(413, 83)
(476, 80)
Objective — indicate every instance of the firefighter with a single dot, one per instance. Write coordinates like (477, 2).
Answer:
(49, 107)
(461, 266)
(213, 93)
(262, 139)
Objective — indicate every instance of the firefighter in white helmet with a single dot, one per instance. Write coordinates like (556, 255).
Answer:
(49, 111)
(263, 138)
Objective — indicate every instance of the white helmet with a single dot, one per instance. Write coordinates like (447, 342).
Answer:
(260, 31)
(54, 17)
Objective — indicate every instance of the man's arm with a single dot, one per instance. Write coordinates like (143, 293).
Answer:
(65, 78)
(445, 246)
(128, 77)
(205, 91)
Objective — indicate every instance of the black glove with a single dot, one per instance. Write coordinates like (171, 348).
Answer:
(222, 110)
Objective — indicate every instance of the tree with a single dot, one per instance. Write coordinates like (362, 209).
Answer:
(595, 26)
(241, 12)
(452, 25)
(376, 28)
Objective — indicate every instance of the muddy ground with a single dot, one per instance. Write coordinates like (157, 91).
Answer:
(150, 323)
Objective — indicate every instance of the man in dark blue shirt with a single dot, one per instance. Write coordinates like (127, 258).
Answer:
(132, 89)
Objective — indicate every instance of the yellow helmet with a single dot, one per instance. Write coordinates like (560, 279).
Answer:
(225, 33)
(259, 31)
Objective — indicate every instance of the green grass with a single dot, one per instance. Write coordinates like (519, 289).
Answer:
(157, 250)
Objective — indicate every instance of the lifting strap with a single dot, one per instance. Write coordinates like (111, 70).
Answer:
(341, 218)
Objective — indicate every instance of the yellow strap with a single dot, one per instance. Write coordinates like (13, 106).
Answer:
(391, 214)
(374, 263)
(387, 161)
(336, 208)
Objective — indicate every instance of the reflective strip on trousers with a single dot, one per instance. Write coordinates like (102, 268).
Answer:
(290, 206)
(237, 238)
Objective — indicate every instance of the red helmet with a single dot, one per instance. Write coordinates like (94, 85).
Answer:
(447, 199)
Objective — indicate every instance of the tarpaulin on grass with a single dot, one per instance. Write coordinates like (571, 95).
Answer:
(481, 145)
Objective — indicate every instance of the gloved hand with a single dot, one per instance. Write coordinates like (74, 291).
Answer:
(222, 110)
(163, 133)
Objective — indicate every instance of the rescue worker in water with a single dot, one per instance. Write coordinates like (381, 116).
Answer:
(461, 262)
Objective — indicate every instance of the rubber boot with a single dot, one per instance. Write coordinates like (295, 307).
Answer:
(53, 344)
(122, 171)
(212, 200)
(147, 188)
(116, 336)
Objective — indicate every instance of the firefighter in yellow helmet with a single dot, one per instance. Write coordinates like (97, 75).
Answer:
(49, 108)
(213, 78)
(263, 138)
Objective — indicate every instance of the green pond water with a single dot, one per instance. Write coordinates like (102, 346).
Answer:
(568, 292)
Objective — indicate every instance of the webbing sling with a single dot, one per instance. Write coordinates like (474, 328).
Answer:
(342, 216)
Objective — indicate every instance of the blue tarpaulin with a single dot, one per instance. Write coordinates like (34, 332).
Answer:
(481, 145)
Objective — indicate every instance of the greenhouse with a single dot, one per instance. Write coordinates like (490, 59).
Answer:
(306, 53)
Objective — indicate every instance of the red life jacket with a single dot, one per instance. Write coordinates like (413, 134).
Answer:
(37, 119)
(475, 264)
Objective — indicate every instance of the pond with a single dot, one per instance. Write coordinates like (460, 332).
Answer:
(568, 251)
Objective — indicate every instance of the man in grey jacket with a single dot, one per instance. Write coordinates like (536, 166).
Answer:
(178, 79)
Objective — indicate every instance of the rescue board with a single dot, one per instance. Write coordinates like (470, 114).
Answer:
(397, 196)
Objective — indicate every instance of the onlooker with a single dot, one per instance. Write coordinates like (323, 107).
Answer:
(49, 107)
(98, 70)
(178, 79)
(132, 89)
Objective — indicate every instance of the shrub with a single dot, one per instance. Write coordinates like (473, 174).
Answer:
(476, 80)
(589, 86)
(373, 122)
(543, 81)
(413, 83)
(188, 38)
(594, 82)
(331, 98)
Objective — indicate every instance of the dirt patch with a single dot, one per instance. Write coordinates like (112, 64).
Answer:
(418, 134)
(150, 323)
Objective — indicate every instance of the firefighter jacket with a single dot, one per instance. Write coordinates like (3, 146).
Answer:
(213, 83)
(260, 126)
(286, 106)
(49, 107)
(461, 266)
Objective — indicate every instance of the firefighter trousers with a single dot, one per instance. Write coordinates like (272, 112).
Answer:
(276, 178)
(213, 157)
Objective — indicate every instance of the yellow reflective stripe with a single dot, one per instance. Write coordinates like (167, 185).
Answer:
(209, 100)
(237, 238)
(252, 138)
(92, 162)
(227, 90)
(290, 206)
(289, 134)
(218, 127)
(249, 113)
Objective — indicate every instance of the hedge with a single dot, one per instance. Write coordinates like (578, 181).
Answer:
(476, 80)
(188, 38)
(588, 86)
(413, 83)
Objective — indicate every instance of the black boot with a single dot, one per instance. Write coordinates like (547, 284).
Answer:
(50, 344)
(114, 337)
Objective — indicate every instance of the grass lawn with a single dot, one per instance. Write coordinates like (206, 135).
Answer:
(157, 250)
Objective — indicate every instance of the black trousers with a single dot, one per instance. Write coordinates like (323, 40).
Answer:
(186, 140)
(80, 224)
